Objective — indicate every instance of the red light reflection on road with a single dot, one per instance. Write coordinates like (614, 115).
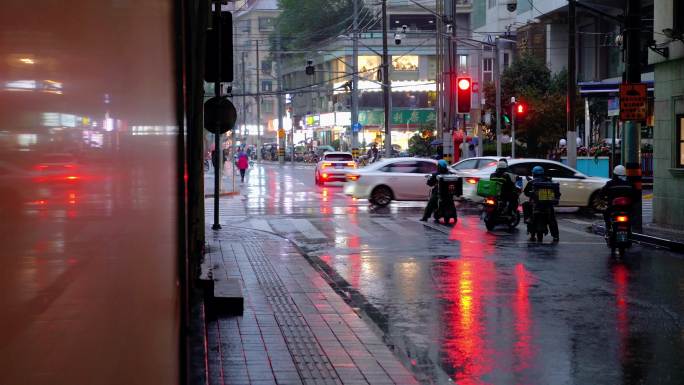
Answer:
(523, 350)
(620, 277)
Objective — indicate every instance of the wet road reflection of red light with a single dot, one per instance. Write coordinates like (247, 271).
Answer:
(620, 277)
(523, 350)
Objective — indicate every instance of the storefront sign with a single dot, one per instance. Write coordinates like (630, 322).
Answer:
(402, 117)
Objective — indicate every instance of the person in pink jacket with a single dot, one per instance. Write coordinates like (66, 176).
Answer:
(242, 164)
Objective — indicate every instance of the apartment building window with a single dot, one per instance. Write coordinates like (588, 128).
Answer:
(506, 61)
(678, 14)
(487, 70)
(266, 85)
(462, 63)
(245, 26)
(266, 66)
(267, 106)
(491, 3)
(265, 23)
(679, 122)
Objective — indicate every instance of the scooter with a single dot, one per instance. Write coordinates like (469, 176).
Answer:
(618, 235)
(448, 186)
(540, 209)
(495, 213)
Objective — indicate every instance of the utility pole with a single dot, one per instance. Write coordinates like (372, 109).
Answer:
(386, 83)
(497, 86)
(281, 129)
(244, 94)
(218, 153)
(355, 83)
(454, 64)
(632, 129)
(258, 102)
(571, 86)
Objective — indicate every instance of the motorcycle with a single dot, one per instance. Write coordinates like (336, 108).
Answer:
(495, 212)
(618, 234)
(540, 209)
(448, 186)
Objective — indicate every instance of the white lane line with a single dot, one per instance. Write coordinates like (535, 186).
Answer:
(579, 221)
(353, 229)
(260, 224)
(307, 229)
(392, 226)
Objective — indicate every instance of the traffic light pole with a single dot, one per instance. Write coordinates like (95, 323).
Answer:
(258, 103)
(497, 85)
(355, 83)
(386, 82)
(571, 102)
(281, 129)
(513, 128)
(218, 154)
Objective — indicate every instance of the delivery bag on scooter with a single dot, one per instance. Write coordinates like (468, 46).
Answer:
(488, 188)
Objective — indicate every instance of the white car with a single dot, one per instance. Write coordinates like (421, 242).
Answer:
(577, 189)
(333, 167)
(401, 179)
(474, 164)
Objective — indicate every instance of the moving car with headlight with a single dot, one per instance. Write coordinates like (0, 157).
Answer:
(333, 167)
(577, 189)
(401, 179)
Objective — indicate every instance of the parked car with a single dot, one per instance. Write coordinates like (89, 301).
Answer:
(333, 167)
(401, 179)
(577, 189)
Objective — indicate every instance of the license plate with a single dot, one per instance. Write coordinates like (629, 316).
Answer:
(622, 236)
(339, 166)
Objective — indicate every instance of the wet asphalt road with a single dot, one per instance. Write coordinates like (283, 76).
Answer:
(467, 306)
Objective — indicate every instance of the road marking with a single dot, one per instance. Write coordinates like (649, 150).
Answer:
(390, 225)
(307, 229)
(281, 225)
(579, 222)
(353, 229)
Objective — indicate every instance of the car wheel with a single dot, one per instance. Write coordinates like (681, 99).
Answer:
(381, 196)
(597, 203)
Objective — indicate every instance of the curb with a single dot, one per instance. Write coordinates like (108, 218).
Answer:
(644, 239)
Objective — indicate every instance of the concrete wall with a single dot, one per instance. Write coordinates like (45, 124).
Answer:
(668, 201)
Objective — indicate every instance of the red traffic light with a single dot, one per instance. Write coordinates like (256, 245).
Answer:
(463, 83)
(463, 93)
(520, 109)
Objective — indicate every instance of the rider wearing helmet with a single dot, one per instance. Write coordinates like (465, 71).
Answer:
(618, 186)
(507, 180)
(442, 168)
(537, 177)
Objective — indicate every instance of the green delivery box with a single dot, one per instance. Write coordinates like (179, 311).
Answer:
(488, 188)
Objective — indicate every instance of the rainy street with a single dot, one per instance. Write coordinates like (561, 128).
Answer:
(464, 305)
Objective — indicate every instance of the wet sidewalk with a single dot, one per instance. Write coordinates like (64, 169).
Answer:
(295, 329)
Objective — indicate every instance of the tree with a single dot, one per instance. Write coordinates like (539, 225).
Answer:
(303, 23)
(421, 144)
(530, 81)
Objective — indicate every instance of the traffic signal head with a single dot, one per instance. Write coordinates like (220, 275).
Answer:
(463, 94)
(310, 69)
(520, 109)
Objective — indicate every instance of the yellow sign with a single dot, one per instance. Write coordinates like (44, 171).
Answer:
(281, 133)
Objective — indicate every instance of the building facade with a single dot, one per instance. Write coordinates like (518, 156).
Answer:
(668, 203)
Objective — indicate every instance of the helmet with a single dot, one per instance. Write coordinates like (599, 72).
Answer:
(538, 170)
(619, 170)
(442, 164)
(501, 164)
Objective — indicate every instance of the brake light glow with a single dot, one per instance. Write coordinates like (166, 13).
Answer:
(472, 180)
(353, 177)
(72, 177)
(351, 164)
(326, 164)
(324, 175)
(622, 218)
(490, 202)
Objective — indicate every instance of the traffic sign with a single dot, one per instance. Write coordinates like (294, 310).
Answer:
(633, 102)
(356, 127)
(281, 133)
(220, 115)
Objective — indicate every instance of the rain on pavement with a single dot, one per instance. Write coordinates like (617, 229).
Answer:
(467, 306)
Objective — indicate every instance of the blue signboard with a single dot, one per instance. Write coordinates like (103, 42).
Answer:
(356, 127)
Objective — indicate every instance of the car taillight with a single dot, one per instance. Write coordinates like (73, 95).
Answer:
(326, 164)
(353, 177)
(472, 180)
(351, 164)
(490, 202)
(324, 175)
(622, 218)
